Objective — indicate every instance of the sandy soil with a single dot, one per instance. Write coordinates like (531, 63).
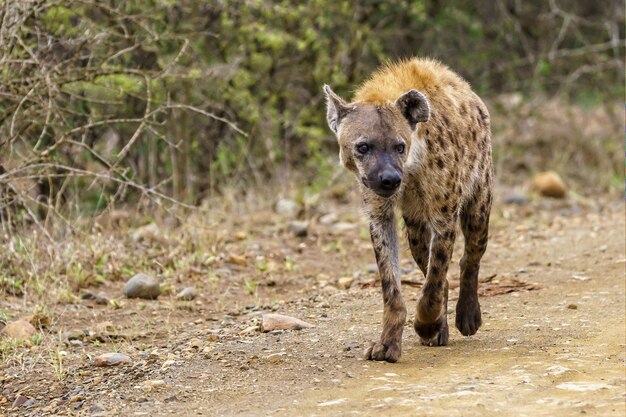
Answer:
(556, 350)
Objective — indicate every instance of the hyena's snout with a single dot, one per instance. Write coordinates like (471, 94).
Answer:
(386, 182)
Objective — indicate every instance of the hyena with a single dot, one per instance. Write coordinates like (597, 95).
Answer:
(419, 139)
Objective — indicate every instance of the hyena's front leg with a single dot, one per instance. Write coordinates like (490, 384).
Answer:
(431, 320)
(385, 241)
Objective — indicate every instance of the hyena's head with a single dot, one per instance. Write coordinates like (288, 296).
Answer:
(375, 140)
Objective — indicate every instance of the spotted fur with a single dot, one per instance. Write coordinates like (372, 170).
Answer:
(422, 122)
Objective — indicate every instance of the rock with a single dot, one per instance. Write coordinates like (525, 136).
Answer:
(19, 330)
(514, 198)
(101, 298)
(142, 286)
(152, 384)
(186, 294)
(371, 268)
(345, 282)
(549, 184)
(287, 207)
(237, 260)
(20, 400)
(329, 218)
(88, 296)
(298, 228)
(342, 227)
(111, 359)
(572, 306)
(273, 321)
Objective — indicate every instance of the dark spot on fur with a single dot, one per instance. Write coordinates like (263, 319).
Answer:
(440, 163)
(427, 132)
(482, 114)
(444, 209)
(441, 255)
(414, 242)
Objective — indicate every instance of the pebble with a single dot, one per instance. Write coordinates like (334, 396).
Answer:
(111, 359)
(142, 286)
(298, 228)
(572, 306)
(549, 184)
(20, 400)
(152, 384)
(102, 299)
(274, 321)
(19, 330)
(329, 218)
(345, 282)
(342, 227)
(186, 294)
(286, 207)
(515, 198)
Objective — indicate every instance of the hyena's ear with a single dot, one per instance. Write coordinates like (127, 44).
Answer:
(414, 107)
(337, 108)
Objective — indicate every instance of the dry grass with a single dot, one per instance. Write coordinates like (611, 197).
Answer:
(580, 144)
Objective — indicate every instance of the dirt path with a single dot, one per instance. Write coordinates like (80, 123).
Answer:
(558, 350)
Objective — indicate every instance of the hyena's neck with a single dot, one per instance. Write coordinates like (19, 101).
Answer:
(417, 153)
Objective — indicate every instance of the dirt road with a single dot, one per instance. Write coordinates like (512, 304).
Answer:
(557, 350)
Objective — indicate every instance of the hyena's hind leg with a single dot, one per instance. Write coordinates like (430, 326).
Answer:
(475, 227)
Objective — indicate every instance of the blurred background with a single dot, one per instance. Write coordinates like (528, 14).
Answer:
(129, 103)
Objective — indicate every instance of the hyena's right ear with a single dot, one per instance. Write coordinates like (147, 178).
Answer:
(337, 109)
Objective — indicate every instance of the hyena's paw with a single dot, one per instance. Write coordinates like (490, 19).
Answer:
(378, 351)
(468, 318)
(433, 334)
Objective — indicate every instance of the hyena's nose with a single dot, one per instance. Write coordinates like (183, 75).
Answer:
(390, 180)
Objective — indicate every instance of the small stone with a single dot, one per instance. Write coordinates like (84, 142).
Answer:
(298, 228)
(19, 330)
(88, 296)
(186, 294)
(152, 384)
(286, 207)
(371, 268)
(142, 286)
(111, 359)
(572, 306)
(345, 282)
(168, 363)
(20, 400)
(549, 184)
(514, 198)
(274, 321)
(101, 298)
(351, 346)
(329, 218)
(342, 227)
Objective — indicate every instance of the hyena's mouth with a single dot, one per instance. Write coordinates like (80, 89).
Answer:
(379, 191)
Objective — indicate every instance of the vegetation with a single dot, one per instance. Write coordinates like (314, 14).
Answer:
(107, 102)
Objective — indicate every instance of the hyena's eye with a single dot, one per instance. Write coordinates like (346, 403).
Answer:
(363, 148)
(400, 148)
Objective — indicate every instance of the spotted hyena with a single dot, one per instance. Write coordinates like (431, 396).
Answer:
(419, 139)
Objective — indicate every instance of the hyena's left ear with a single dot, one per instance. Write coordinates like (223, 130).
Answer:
(414, 107)
(337, 109)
